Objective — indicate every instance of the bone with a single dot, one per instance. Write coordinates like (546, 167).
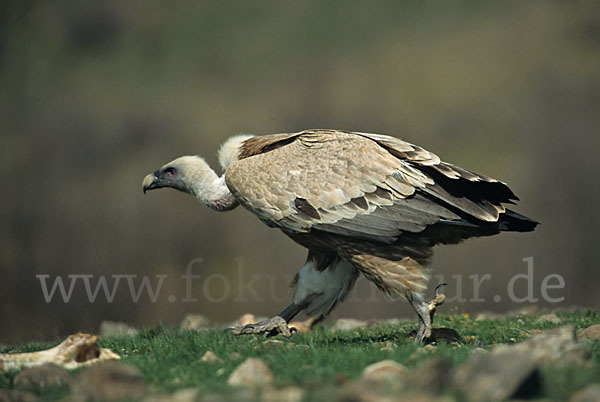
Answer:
(78, 350)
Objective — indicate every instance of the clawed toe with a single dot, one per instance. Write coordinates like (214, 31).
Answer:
(270, 327)
(426, 312)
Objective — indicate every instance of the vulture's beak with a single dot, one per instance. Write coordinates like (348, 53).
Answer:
(150, 182)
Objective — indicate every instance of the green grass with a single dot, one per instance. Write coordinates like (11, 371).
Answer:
(169, 359)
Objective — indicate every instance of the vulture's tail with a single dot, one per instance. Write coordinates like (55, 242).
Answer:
(514, 222)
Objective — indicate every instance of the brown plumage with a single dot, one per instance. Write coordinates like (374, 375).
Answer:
(359, 202)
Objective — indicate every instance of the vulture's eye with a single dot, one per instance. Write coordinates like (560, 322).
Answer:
(170, 171)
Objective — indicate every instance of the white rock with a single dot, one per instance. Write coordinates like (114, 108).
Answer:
(251, 373)
(114, 328)
(287, 394)
(385, 370)
(196, 322)
(210, 357)
(551, 318)
(347, 324)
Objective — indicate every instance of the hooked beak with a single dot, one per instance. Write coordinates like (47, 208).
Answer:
(150, 182)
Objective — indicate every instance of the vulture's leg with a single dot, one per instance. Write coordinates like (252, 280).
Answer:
(425, 311)
(320, 285)
(272, 326)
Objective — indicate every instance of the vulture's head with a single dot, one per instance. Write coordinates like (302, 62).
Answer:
(192, 175)
(187, 174)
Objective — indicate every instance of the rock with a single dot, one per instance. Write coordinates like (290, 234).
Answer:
(288, 394)
(8, 395)
(210, 357)
(396, 321)
(591, 333)
(303, 327)
(524, 311)
(530, 332)
(348, 324)
(271, 343)
(251, 373)
(362, 392)
(512, 370)
(591, 393)
(557, 346)
(521, 311)
(387, 346)
(497, 376)
(113, 328)
(183, 395)
(40, 377)
(488, 315)
(298, 346)
(111, 381)
(246, 319)
(433, 375)
(551, 318)
(197, 322)
(384, 371)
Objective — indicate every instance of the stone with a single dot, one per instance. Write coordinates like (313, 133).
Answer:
(433, 375)
(497, 376)
(40, 377)
(272, 343)
(303, 327)
(197, 322)
(591, 333)
(113, 328)
(348, 324)
(488, 315)
(251, 373)
(591, 393)
(387, 346)
(512, 371)
(557, 346)
(111, 381)
(298, 346)
(526, 311)
(13, 395)
(210, 357)
(247, 319)
(183, 395)
(364, 392)
(235, 356)
(287, 394)
(384, 371)
(530, 332)
(548, 318)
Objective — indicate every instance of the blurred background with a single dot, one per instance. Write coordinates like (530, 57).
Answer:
(96, 94)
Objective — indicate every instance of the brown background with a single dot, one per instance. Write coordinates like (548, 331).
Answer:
(94, 95)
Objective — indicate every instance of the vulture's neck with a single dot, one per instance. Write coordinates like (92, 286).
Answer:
(212, 191)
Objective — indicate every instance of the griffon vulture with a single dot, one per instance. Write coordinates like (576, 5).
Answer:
(360, 203)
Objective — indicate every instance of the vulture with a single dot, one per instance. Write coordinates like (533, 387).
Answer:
(361, 203)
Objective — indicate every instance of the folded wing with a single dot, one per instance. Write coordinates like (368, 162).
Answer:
(366, 186)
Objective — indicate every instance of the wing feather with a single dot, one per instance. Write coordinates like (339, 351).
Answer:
(362, 185)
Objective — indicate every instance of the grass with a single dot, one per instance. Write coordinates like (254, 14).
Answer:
(169, 359)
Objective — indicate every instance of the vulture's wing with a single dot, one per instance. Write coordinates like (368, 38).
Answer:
(356, 184)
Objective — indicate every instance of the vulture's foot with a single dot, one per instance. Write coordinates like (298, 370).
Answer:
(270, 327)
(426, 311)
